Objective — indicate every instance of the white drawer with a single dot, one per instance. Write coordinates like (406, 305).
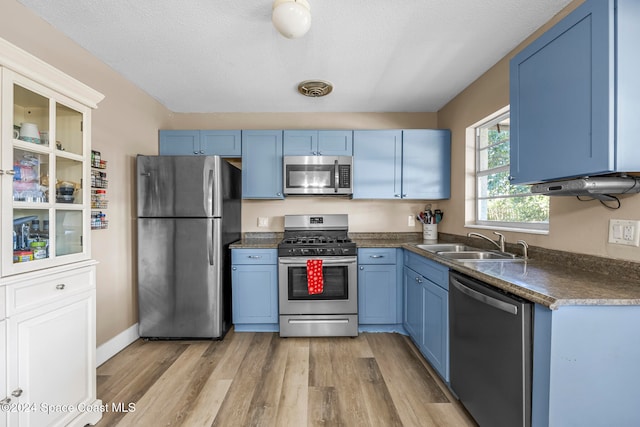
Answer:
(22, 296)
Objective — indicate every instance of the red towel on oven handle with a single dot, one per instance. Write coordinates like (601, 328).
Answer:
(315, 281)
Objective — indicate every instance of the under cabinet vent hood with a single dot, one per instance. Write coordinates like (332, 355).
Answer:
(602, 188)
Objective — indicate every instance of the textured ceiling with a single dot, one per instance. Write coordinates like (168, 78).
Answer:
(225, 56)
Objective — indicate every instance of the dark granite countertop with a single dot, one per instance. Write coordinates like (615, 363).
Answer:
(547, 283)
(258, 241)
(550, 278)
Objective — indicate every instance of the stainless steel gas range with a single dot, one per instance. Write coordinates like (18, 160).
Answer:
(318, 243)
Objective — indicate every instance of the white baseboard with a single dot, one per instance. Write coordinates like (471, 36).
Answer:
(112, 347)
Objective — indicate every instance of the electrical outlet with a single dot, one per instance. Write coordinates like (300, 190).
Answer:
(411, 222)
(624, 232)
(263, 221)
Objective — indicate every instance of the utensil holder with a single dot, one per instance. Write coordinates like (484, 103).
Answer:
(430, 232)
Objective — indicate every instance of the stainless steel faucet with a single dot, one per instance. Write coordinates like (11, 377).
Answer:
(499, 244)
(525, 248)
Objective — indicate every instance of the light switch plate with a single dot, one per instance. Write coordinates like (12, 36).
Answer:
(411, 221)
(624, 232)
(263, 221)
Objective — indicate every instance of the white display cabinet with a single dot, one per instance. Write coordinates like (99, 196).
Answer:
(45, 183)
(47, 276)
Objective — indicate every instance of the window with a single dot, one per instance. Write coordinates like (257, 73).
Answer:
(498, 203)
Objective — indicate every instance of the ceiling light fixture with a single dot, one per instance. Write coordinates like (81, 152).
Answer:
(292, 18)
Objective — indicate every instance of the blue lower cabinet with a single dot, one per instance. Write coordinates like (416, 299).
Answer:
(254, 278)
(426, 309)
(379, 290)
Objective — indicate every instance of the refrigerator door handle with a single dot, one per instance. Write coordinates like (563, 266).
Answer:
(210, 193)
(210, 242)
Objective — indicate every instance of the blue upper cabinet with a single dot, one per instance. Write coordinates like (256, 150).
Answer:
(575, 96)
(179, 142)
(262, 164)
(377, 164)
(226, 143)
(318, 142)
(426, 164)
(394, 164)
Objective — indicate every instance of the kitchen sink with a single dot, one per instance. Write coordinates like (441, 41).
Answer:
(447, 247)
(478, 255)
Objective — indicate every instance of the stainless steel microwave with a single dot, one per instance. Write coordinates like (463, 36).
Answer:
(318, 175)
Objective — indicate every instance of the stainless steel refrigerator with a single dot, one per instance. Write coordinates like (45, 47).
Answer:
(188, 214)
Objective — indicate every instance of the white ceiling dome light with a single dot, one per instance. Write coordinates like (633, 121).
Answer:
(292, 18)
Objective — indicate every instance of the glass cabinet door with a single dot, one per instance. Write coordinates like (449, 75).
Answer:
(47, 147)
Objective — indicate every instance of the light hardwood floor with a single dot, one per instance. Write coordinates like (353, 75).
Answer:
(260, 379)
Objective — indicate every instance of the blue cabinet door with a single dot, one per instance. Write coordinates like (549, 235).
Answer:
(300, 142)
(262, 164)
(436, 327)
(377, 286)
(574, 96)
(377, 164)
(318, 142)
(179, 143)
(226, 143)
(426, 164)
(335, 142)
(413, 307)
(255, 294)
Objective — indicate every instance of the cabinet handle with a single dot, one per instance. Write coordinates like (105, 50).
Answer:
(10, 172)
(396, 195)
(17, 392)
(1, 173)
(361, 268)
(60, 286)
(195, 152)
(376, 256)
(418, 280)
(5, 401)
(201, 151)
(234, 268)
(254, 256)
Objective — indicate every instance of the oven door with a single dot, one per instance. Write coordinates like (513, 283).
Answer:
(340, 286)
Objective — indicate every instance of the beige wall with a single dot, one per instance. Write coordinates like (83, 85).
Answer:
(127, 121)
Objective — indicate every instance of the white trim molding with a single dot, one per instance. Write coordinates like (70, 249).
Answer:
(22, 62)
(116, 344)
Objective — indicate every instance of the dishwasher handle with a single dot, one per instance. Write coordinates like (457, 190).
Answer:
(486, 299)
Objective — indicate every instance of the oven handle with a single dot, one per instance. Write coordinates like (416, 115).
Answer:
(314, 321)
(325, 260)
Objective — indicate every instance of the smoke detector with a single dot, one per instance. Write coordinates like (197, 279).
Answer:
(315, 88)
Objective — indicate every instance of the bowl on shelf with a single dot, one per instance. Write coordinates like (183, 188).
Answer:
(65, 199)
(65, 191)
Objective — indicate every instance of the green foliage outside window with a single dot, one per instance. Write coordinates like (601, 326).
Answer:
(498, 200)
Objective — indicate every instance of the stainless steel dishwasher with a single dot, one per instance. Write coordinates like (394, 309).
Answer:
(490, 352)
